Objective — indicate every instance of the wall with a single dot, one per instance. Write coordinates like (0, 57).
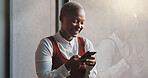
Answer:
(35, 19)
(129, 18)
(32, 20)
(98, 20)
(103, 15)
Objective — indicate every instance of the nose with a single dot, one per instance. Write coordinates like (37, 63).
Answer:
(79, 25)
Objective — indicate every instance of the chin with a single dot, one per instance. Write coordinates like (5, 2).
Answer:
(75, 35)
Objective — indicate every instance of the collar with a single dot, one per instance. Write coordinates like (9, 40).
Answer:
(62, 40)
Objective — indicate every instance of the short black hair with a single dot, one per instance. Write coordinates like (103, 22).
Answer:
(69, 6)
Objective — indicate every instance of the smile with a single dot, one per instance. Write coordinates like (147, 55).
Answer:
(75, 31)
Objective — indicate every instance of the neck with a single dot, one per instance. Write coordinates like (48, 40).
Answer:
(65, 35)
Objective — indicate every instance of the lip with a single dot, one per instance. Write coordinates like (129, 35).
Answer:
(76, 31)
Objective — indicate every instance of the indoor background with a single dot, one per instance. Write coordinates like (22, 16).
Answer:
(31, 20)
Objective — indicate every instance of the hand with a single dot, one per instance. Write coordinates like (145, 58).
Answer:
(90, 61)
(76, 63)
(73, 63)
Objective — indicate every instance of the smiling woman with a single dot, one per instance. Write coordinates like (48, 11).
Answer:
(72, 23)
(33, 20)
(58, 56)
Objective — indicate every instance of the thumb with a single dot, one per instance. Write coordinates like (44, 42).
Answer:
(75, 57)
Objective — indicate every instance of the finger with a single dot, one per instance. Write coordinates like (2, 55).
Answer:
(75, 57)
(92, 58)
(90, 63)
(79, 56)
(87, 59)
(82, 60)
(92, 55)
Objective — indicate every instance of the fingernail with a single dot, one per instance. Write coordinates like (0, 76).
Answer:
(87, 59)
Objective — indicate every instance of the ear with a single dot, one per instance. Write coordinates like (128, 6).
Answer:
(61, 18)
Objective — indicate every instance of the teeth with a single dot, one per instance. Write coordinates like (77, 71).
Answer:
(76, 31)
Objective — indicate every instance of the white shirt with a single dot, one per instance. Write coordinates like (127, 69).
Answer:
(44, 55)
(104, 58)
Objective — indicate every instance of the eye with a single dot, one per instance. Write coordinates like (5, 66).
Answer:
(82, 22)
(74, 21)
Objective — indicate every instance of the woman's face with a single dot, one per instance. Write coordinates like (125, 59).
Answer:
(73, 22)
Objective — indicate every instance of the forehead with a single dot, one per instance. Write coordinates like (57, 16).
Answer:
(79, 13)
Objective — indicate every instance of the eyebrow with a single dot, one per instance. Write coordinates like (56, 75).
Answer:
(77, 18)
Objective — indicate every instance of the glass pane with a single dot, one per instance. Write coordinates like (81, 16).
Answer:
(128, 20)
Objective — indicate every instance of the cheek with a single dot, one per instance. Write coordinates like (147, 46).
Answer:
(69, 27)
(72, 26)
(66, 26)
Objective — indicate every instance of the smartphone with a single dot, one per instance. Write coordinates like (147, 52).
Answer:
(88, 54)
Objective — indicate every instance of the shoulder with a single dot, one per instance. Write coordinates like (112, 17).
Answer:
(45, 46)
(46, 41)
(88, 44)
(107, 43)
(86, 41)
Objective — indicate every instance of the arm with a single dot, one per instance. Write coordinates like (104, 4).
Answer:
(104, 61)
(91, 71)
(43, 60)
